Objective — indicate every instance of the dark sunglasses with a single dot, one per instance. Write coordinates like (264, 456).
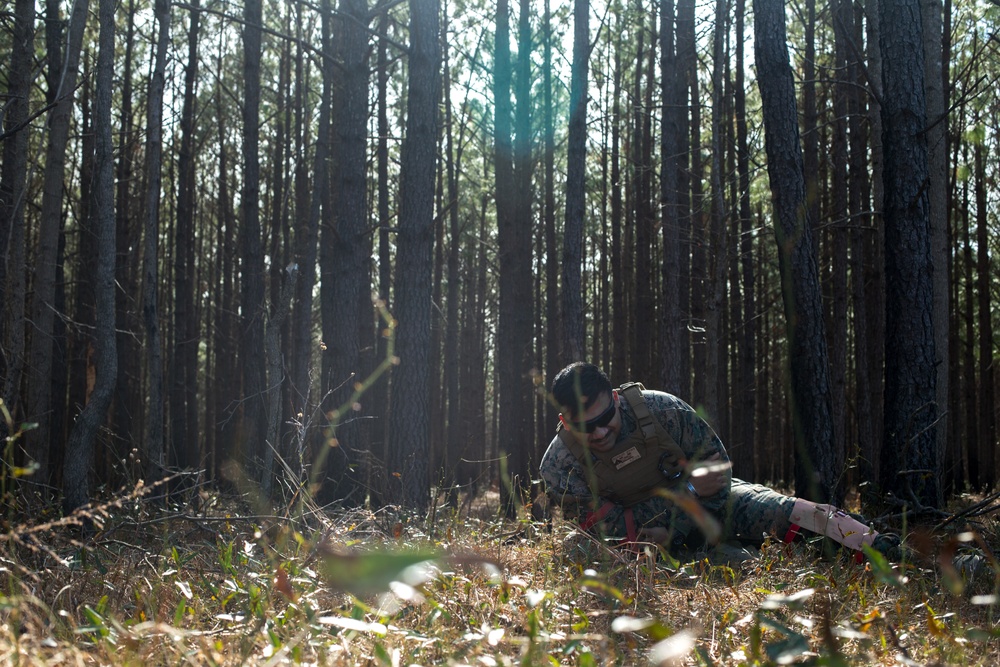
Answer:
(600, 420)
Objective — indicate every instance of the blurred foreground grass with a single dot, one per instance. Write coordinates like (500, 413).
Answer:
(154, 584)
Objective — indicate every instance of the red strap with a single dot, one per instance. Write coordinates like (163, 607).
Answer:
(633, 535)
(591, 518)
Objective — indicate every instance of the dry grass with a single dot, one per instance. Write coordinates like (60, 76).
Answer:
(159, 584)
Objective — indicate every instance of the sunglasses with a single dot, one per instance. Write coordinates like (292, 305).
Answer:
(600, 420)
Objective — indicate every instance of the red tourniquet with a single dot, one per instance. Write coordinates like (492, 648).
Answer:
(630, 525)
(591, 519)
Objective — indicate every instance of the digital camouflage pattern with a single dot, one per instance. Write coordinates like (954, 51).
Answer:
(747, 512)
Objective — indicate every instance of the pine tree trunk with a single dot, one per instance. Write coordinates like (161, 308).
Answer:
(619, 350)
(639, 287)
(817, 468)
(38, 403)
(910, 460)
(969, 402)
(13, 179)
(697, 227)
(380, 390)
(937, 189)
(861, 238)
(837, 333)
(452, 360)
(183, 382)
(514, 333)
(226, 336)
(80, 447)
(409, 429)
(252, 355)
(672, 125)
(874, 263)
(151, 448)
(715, 361)
(810, 116)
(987, 436)
(552, 323)
(126, 404)
(306, 238)
(687, 67)
(572, 254)
(745, 419)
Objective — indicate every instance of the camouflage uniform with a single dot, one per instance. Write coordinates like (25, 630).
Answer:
(746, 511)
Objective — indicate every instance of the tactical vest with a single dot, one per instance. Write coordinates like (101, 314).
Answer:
(633, 469)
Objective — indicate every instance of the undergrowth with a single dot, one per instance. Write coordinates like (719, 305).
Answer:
(212, 583)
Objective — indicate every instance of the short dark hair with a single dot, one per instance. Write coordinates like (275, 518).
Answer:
(576, 387)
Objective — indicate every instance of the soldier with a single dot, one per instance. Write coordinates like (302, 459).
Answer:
(639, 465)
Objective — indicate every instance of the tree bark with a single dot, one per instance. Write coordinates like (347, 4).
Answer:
(967, 314)
(126, 401)
(715, 360)
(987, 436)
(910, 460)
(306, 238)
(514, 329)
(80, 447)
(380, 390)
(837, 332)
(672, 123)
(79, 344)
(619, 349)
(517, 257)
(810, 116)
(861, 240)
(349, 251)
(552, 325)
(746, 419)
(473, 379)
(576, 151)
(874, 265)
(409, 429)
(252, 354)
(226, 336)
(151, 449)
(185, 452)
(452, 359)
(687, 58)
(817, 466)
(937, 189)
(38, 405)
(696, 228)
(13, 193)
(275, 374)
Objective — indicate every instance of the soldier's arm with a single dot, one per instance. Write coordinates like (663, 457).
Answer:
(698, 441)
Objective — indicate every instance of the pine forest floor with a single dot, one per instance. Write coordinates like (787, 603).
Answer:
(211, 580)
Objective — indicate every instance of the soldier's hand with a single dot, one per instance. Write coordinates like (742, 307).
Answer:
(710, 476)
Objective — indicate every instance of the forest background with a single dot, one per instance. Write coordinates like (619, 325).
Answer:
(350, 245)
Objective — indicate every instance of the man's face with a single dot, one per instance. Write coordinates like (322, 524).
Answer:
(599, 425)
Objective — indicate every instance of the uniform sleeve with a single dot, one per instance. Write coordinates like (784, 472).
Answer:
(696, 438)
(561, 472)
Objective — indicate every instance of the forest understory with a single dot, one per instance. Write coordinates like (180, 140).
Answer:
(202, 577)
